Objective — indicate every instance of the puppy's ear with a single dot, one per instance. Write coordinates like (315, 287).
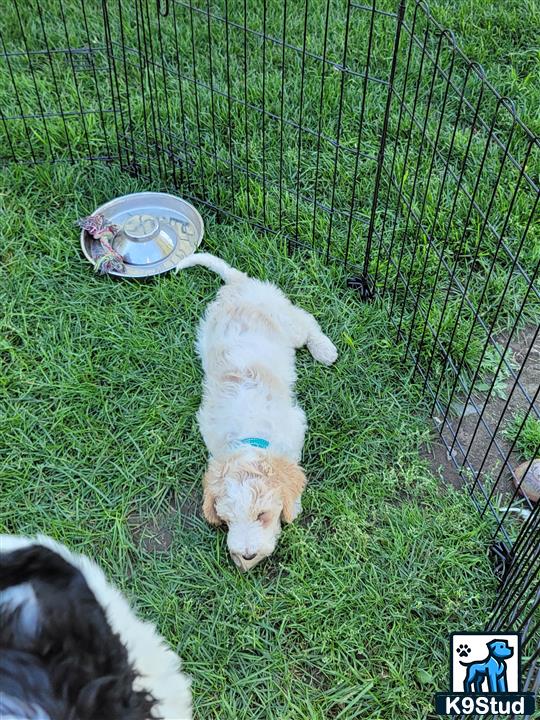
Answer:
(291, 480)
(212, 484)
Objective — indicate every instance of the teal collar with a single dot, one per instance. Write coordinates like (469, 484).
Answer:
(254, 442)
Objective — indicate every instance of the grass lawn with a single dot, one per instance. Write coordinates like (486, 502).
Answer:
(99, 387)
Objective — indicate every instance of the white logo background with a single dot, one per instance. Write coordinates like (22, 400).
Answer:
(478, 652)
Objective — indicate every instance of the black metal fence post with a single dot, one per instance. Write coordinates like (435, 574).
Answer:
(366, 291)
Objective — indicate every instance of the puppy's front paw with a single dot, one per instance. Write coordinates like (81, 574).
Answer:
(323, 350)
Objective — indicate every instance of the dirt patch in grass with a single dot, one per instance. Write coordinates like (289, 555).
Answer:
(440, 463)
(155, 533)
(484, 415)
(151, 534)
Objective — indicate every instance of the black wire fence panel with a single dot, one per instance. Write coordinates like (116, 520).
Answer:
(269, 112)
(455, 235)
(356, 130)
(456, 232)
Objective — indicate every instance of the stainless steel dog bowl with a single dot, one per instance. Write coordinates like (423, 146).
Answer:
(157, 230)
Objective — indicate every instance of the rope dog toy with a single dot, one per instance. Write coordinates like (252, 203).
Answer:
(106, 258)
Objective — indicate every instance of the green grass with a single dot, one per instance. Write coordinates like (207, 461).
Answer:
(99, 383)
(525, 433)
(503, 37)
(193, 109)
(100, 449)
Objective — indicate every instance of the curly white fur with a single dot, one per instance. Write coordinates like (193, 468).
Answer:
(247, 343)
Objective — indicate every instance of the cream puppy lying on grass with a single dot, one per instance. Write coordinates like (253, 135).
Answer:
(249, 417)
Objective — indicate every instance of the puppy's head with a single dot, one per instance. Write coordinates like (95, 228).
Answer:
(252, 495)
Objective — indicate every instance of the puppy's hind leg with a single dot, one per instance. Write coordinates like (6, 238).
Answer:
(319, 345)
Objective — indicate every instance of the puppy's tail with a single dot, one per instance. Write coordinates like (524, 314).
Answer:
(219, 266)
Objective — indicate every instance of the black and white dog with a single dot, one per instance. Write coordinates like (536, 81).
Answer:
(71, 648)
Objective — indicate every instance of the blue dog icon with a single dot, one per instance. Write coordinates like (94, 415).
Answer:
(492, 669)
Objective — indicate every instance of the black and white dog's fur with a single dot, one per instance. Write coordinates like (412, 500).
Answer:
(71, 648)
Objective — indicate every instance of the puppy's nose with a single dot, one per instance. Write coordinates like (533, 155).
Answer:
(249, 557)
